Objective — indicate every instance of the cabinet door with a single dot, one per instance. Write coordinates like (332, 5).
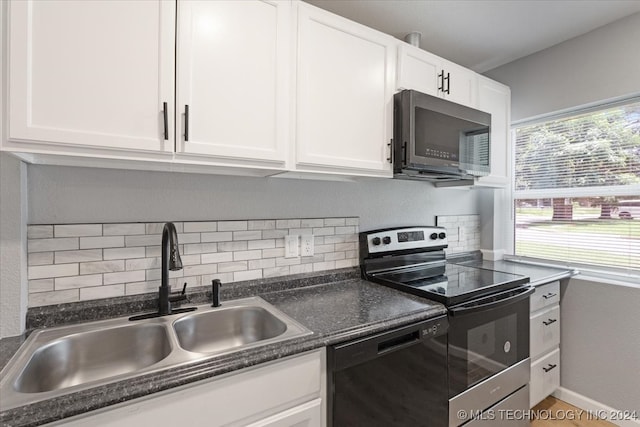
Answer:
(545, 331)
(418, 70)
(461, 84)
(344, 94)
(91, 73)
(545, 377)
(233, 76)
(495, 98)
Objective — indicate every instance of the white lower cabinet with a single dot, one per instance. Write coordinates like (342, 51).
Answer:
(279, 394)
(544, 344)
(545, 377)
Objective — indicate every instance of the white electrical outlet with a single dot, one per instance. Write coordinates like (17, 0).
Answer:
(291, 246)
(306, 245)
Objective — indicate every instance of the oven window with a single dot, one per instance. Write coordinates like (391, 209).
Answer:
(491, 347)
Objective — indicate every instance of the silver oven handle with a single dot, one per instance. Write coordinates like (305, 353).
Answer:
(475, 307)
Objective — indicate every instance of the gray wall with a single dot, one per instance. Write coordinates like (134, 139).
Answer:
(69, 194)
(599, 65)
(600, 342)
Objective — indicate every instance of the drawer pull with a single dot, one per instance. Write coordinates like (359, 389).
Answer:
(549, 368)
(549, 295)
(549, 322)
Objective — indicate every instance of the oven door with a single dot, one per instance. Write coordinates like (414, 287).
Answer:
(487, 336)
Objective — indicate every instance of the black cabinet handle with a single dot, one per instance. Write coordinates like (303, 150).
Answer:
(550, 367)
(165, 116)
(549, 322)
(448, 79)
(441, 81)
(390, 158)
(186, 123)
(549, 295)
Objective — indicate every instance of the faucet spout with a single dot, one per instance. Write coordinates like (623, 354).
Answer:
(170, 261)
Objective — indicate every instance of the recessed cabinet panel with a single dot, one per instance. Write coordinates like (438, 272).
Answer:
(418, 70)
(495, 99)
(545, 377)
(233, 76)
(545, 296)
(344, 98)
(461, 84)
(74, 79)
(545, 331)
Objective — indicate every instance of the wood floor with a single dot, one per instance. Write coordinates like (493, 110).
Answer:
(553, 413)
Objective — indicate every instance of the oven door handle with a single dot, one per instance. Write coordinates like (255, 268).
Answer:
(475, 307)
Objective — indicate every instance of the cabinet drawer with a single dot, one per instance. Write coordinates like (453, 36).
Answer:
(545, 377)
(545, 296)
(544, 331)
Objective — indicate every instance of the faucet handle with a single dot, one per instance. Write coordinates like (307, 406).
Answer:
(179, 296)
(215, 292)
(184, 289)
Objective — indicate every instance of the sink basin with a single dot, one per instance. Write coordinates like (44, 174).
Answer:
(57, 361)
(222, 330)
(89, 356)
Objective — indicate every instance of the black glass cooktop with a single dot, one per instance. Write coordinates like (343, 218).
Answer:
(451, 284)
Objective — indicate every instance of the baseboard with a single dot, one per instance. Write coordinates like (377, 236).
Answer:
(608, 413)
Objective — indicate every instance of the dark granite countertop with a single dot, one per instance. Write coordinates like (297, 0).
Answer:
(335, 308)
(537, 274)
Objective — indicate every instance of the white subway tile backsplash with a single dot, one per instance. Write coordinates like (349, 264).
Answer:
(48, 271)
(262, 225)
(101, 292)
(246, 255)
(69, 262)
(77, 230)
(40, 258)
(220, 236)
(102, 266)
(40, 285)
(233, 225)
(131, 229)
(261, 244)
(144, 240)
(124, 253)
(76, 282)
(230, 267)
(39, 231)
(198, 227)
(101, 242)
(247, 235)
(47, 245)
(83, 255)
(124, 277)
(463, 232)
(216, 257)
(247, 275)
(53, 297)
(312, 222)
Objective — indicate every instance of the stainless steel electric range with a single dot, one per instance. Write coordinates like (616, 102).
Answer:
(488, 313)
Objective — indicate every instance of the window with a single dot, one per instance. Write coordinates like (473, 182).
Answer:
(577, 188)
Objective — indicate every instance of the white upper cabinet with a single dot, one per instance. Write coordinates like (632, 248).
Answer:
(427, 73)
(495, 98)
(344, 98)
(233, 77)
(91, 73)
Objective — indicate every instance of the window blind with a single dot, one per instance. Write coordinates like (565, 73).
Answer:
(577, 188)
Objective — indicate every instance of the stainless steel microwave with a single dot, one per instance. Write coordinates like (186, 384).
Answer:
(439, 140)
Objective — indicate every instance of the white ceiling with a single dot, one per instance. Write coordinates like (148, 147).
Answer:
(483, 34)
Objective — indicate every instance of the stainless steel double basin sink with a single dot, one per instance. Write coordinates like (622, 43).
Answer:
(54, 362)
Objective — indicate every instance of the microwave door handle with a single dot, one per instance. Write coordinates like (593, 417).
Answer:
(463, 310)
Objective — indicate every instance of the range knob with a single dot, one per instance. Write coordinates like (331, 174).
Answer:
(442, 235)
(386, 240)
(433, 236)
(375, 241)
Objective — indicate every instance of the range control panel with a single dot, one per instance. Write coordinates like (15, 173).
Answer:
(397, 239)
